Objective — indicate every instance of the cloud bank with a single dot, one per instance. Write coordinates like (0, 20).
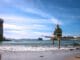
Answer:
(18, 25)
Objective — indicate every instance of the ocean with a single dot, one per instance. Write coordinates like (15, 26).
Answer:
(40, 42)
(36, 45)
(36, 50)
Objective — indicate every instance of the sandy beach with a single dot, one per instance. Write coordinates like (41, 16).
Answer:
(72, 58)
(55, 54)
(75, 57)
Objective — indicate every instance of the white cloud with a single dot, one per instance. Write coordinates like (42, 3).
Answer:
(43, 14)
(43, 33)
(56, 21)
(24, 27)
(9, 17)
(12, 26)
(28, 31)
(17, 30)
(30, 9)
(23, 34)
(18, 19)
(35, 11)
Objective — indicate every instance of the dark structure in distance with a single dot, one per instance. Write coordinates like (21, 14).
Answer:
(40, 39)
(1, 29)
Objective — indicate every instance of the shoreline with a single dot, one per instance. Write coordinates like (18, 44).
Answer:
(14, 53)
(37, 48)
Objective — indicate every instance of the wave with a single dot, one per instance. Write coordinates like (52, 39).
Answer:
(30, 48)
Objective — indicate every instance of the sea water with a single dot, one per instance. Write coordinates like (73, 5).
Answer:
(35, 45)
(39, 42)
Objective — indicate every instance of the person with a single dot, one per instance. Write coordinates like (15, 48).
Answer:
(57, 34)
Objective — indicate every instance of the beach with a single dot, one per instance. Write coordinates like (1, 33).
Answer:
(37, 53)
(73, 57)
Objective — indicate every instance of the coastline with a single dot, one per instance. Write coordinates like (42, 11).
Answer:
(34, 48)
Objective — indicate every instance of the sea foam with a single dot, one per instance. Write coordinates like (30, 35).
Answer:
(30, 48)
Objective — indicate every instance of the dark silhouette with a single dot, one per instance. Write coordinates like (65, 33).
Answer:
(57, 34)
(0, 56)
(40, 39)
(1, 29)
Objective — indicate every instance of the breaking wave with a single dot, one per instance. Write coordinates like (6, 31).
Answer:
(30, 48)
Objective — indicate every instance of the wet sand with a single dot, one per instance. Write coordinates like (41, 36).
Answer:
(72, 58)
(43, 55)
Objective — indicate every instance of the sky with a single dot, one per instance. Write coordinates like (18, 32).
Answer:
(38, 18)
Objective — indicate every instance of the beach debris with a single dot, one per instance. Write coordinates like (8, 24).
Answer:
(41, 56)
(71, 49)
(77, 48)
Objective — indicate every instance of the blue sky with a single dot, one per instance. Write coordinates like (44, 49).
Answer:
(37, 18)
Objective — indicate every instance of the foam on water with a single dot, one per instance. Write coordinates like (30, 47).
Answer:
(29, 48)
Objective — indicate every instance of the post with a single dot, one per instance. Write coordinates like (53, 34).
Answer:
(52, 38)
(53, 42)
(59, 43)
